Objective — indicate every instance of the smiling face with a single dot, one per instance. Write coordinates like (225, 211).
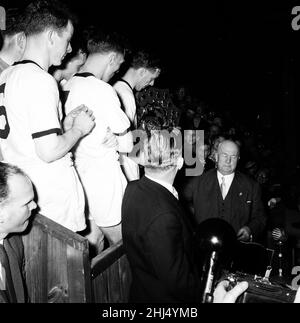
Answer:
(16, 209)
(61, 43)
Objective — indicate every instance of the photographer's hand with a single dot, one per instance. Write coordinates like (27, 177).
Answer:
(221, 295)
(244, 234)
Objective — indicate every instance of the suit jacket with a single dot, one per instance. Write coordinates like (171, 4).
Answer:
(245, 207)
(13, 246)
(159, 245)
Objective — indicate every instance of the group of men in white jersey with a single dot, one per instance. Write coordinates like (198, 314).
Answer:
(34, 135)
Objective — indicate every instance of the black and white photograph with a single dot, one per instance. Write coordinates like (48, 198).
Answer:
(149, 160)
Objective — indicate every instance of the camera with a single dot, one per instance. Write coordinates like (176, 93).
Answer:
(260, 290)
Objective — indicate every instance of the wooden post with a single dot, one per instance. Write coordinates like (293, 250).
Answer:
(57, 263)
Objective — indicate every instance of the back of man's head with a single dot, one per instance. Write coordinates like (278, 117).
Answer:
(144, 59)
(103, 42)
(41, 15)
(13, 36)
(161, 150)
(14, 22)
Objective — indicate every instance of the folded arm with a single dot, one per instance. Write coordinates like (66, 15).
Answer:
(53, 146)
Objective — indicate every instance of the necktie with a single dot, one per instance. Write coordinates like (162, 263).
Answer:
(10, 291)
(223, 188)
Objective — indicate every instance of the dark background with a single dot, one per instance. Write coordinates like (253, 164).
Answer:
(238, 56)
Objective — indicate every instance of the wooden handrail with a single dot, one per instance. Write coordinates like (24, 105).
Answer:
(57, 263)
(58, 231)
(59, 270)
(111, 275)
(106, 258)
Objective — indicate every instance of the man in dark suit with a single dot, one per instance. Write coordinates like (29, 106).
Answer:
(157, 236)
(228, 194)
(16, 204)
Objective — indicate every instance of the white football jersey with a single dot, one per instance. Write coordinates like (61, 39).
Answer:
(102, 99)
(30, 109)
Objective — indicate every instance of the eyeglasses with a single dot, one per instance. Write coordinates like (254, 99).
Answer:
(225, 156)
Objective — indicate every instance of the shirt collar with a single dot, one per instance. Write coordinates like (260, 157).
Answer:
(168, 186)
(228, 178)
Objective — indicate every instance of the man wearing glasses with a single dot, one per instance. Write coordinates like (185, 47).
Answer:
(230, 195)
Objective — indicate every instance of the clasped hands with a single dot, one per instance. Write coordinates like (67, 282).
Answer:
(81, 118)
(85, 123)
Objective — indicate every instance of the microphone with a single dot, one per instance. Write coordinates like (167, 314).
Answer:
(216, 241)
(280, 237)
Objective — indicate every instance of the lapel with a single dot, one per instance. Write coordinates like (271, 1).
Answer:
(213, 193)
(236, 189)
(11, 246)
(217, 185)
(238, 194)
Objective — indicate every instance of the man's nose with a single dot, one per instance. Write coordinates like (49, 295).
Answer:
(228, 159)
(33, 205)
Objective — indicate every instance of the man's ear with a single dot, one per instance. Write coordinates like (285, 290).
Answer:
(21, 40)
(83, 57)
(157, 72)
(50, 36)
(112, 58)
(180, 162)
(2, 213)
(216, 157)
(142, 71)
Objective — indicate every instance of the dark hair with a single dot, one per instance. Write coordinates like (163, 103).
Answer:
(100, 41)
(79, 41)
(143, 59)
(14, 22)
(6, 171)
(79, 45)
(42, 14)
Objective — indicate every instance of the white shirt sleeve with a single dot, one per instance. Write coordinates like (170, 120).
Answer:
(43, 105)
(127, 100)
(115, 117)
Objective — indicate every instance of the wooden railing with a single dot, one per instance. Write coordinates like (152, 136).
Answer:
(111, 276)
(59, 270)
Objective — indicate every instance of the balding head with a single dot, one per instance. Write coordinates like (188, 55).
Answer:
(228, 144)
(227, 157)
(16, 200)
